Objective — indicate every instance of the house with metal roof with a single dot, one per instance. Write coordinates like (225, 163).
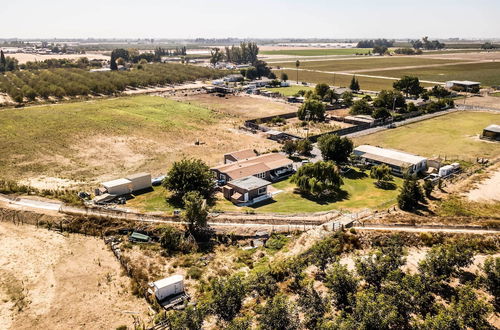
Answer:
(464, 85)
(400, 162)
(246, 191)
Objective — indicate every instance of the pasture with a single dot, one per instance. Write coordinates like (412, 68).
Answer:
(450, 135)
(317, 51)
(486, 73)
(342, 80)
(369, 63)
(105, 139)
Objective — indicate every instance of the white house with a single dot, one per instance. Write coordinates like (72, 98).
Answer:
(398, 161)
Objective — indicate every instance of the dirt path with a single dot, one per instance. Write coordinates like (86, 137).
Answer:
(423, 229)
(488, 190)
(417, 66)
(51, 281)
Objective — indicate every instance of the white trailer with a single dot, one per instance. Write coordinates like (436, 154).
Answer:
(118, 187)
(169, 286)
(140, 181)
(448, 170)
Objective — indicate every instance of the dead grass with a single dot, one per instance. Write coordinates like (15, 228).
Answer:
(61, 282)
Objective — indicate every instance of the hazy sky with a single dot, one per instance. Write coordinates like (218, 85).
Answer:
(253, 18)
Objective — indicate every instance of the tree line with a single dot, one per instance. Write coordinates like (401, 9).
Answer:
(70, 82)
(373, 43)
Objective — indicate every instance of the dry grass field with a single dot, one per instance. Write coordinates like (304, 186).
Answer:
(23, 58)
(248, 107)
(105, 139)
(51, 281)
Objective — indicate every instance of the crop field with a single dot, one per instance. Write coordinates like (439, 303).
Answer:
(105, 139)
(366, 63)
(454, 134)
(30, 85)
(366, 83)
(317, 52)
(486, 73)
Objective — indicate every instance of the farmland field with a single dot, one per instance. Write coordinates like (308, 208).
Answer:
(366, 83)
(317, 52)
(366, 63)
(486, 73)
(451, 135)
(105, 139)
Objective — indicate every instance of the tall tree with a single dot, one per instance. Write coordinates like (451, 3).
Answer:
(297, 64)
(215, 56)
(354, 86)
(3, 62)
(113, 66)
(409, 85)
(411, 195)
(312, 110)
(196, 213)
(318, 179)
(190, 175)
(335, 148)
(382, 173)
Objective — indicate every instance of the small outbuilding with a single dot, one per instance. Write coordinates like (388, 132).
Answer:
(168, 287)
(463, 85)
(491, 132)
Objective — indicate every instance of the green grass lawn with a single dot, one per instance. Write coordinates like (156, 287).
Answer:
(486, 73)
(361, 193)
(452, 135)
(365, 63)
(289, 91)
(317, 52)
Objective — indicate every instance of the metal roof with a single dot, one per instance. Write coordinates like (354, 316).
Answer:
(390, 156)
(168, 281)
(250, 183)
(117, 182)
(464, 82)
(493, 128)
(138, 175)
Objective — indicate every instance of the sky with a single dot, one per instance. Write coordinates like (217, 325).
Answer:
(250, 19)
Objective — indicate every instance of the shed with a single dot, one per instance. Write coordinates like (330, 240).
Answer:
(138, 237)
(465, 85)
(118, 187)
(492, 132)
(398, 161)
(140, 181)
(168, 287)
(249, 189)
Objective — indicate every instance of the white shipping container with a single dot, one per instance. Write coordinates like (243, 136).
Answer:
(140, 181)
(169, 286)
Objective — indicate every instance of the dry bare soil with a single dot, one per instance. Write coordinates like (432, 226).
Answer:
(51, 281)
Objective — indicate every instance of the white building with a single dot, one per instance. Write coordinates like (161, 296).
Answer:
(127, 185)
(400, 162)
(168, 287)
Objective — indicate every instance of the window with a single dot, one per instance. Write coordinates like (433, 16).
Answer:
(223, 177)
(262, 191)
(261, 175)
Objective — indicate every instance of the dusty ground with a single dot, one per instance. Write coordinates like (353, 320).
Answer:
(242, 105)
(481, 101)
(23, 58)
(488, 190)
(51, 281)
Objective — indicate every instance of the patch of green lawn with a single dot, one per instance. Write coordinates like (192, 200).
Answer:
(453, 135)
(289, 91)
(361, 193)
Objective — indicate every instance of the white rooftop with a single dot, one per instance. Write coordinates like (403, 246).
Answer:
(168, 281)
(464, 82)
(389, 154)
(117, 182)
